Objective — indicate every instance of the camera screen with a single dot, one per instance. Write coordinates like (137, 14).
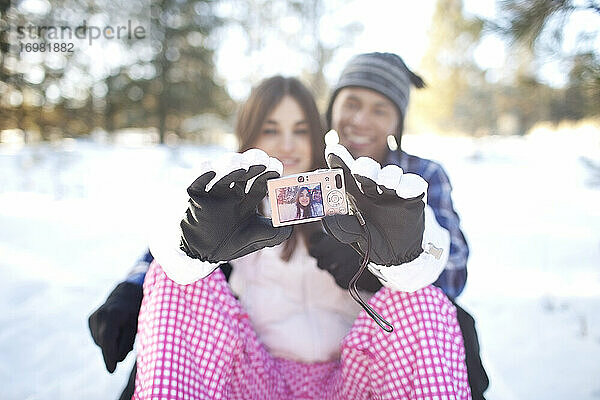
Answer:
(299, 202)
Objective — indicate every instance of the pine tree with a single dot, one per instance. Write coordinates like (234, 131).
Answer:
(539, 25)
(454, 81)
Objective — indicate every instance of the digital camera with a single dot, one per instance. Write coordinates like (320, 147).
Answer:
(307, 197)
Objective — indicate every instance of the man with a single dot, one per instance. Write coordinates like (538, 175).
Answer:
(368, 104)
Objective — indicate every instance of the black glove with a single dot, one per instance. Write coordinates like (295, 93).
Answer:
(223, 223)
(396, 224)
(114, 324)
(341, 261)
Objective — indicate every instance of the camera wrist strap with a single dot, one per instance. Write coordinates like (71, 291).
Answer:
(352, 289)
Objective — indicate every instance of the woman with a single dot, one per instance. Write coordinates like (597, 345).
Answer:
(304, 203)
(282, 328)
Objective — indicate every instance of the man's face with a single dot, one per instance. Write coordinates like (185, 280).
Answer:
(317, 195)
(363, 119)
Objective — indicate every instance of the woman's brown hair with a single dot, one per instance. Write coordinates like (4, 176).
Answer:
(251, 117)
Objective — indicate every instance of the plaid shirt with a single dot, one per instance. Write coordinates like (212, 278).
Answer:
(453, 278)
(137, 274)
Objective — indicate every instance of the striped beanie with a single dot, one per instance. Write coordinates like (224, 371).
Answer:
(384, 73)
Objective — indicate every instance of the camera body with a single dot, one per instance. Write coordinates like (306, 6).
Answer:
(307, 197)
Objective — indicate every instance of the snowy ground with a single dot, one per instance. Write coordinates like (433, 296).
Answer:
(74, 217)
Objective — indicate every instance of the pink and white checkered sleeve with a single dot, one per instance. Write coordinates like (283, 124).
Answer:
(196, 342)
(424, 358)
(185, 347)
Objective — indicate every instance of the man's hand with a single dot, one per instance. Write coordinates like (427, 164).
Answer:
(114, 324)
(341, 261)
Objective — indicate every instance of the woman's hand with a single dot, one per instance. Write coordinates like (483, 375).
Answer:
(392, 204)
(222, 222)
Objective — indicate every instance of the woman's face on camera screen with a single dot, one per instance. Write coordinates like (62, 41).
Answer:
(304, 198)
(285, 135)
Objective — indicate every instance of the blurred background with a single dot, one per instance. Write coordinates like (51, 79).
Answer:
(99, 134)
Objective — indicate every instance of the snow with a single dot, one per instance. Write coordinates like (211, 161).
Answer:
(75, 216)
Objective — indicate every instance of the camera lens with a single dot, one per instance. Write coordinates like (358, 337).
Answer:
(300, 179)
